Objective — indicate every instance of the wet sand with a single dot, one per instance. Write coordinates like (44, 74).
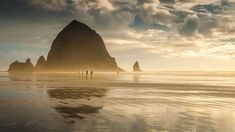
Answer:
(146, 102)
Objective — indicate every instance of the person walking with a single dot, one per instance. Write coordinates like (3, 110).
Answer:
(86, 73)
(91, 73)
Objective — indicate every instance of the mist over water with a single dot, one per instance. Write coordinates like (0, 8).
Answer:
(125, 102)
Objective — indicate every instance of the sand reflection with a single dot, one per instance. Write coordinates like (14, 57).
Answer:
(77, 102)
(77, 93)
(77, 112)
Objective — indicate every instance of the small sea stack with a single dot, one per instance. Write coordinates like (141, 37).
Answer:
(21, 67)
(41, 63)
(136, 67)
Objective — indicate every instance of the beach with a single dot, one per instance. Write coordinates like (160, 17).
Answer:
(125, 102)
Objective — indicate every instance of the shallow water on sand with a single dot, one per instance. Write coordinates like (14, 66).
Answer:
(146, 102)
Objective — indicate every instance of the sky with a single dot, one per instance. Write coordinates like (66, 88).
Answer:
(160, 34)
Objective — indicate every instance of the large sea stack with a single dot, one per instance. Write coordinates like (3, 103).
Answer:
(78, 47)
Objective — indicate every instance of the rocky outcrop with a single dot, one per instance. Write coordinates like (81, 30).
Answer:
(79, 47)
(136, 67)
(20, 67)
(41, 63)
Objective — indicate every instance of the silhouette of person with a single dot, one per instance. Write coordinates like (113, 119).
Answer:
(91, 73)
(86, 73)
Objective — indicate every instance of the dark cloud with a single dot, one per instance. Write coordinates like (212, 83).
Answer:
(124, 6)
(96, 13)
(175, 1)
(166, 16)
(103, 14)
(228, 40)
(168, 1)
(207, 24)
(186, 1)
(23, 14)
(139, 24)
(139, 2)
(190, 26)
(212, 8)
(224, 2)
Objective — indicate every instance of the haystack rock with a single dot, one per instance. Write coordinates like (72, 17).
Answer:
(21, 67)
(77, 47)
(136, 67)
(40, 65)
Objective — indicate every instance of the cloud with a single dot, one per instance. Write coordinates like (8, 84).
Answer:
(168, 1)
(51, 4)
(74, 5)
(140, 24)
(142, 15)
(163, 16)
(140, 2)
(190, 26)
(106, 4)
(77, 4)
(207, 24)
(101, 5)
(211, 8)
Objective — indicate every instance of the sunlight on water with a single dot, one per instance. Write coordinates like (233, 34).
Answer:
(146, 102)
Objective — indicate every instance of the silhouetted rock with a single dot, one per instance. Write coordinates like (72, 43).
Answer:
(136, 67)
(40, 65)
(21, 67)
(79, 47)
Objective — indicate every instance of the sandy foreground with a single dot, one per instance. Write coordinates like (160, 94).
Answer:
(124, 102)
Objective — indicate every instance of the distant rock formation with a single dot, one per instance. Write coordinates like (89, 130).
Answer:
(41, 63)
(136, 67)
(79, 47)
(19, 67)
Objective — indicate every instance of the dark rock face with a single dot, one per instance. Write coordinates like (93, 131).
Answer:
(40, 65)
(19, 67)
(79, 47)
(136, 67)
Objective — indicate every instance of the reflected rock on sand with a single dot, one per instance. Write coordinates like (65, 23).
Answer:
(67, 96)
(77, 112)
(77, 93)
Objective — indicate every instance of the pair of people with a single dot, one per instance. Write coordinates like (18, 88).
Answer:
(87, 72)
